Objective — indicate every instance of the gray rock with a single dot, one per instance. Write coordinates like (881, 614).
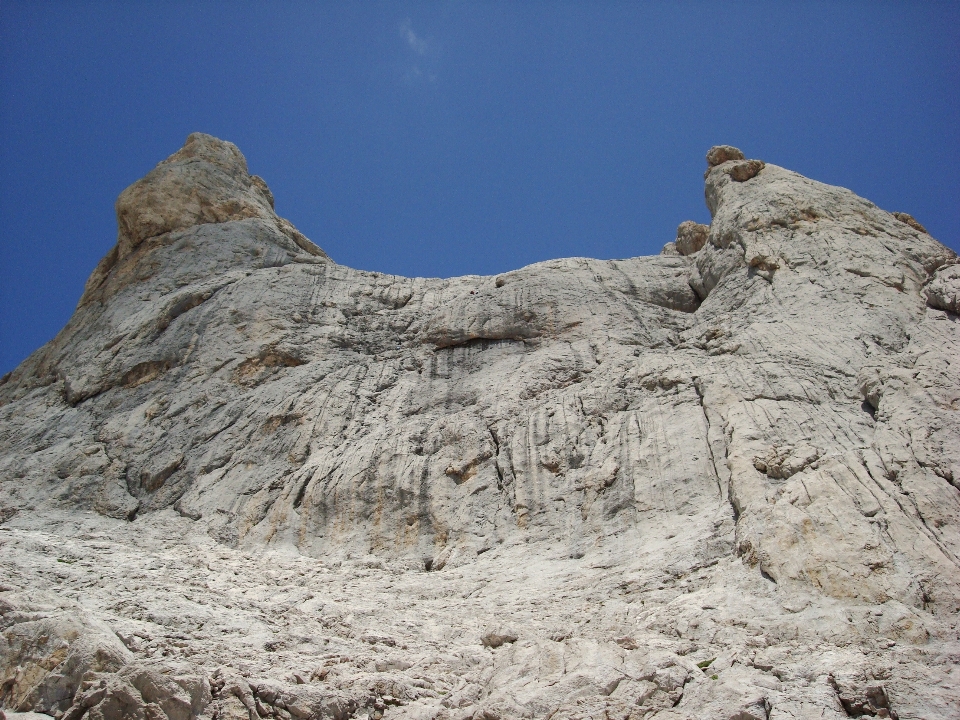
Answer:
(943, 290)
(714, 484)
(44, 659)
(670, 248)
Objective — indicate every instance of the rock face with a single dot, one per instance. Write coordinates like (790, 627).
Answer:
(722, 482)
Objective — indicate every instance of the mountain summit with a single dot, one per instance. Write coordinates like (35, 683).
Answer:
(722, 482)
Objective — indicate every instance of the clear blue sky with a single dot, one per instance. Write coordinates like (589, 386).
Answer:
(453, 137)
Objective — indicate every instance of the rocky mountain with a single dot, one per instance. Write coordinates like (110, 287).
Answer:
(722, 482)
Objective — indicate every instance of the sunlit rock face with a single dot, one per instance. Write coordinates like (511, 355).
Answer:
(720, 482)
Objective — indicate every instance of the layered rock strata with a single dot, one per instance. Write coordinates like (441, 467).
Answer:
(721, 482)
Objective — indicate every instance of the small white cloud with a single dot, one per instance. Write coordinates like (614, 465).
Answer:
(417, 44)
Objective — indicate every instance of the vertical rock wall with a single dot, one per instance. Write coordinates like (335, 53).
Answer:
(785, 379)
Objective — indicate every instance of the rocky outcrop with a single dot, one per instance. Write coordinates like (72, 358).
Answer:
(943, 289)
(691, 237)
(909, 220)
(719, 154)
(721, 482)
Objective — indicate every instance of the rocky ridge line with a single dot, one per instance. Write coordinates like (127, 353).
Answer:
(245, 481)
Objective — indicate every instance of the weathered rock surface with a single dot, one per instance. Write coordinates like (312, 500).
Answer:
(720, 154)
(245, 481)
(691, 237)
(909, 220)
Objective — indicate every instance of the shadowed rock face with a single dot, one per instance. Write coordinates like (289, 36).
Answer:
(744, 450)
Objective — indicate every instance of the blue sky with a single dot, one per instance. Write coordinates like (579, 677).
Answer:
(449, 138)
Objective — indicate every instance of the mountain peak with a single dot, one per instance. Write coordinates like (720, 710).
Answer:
(206, 181)
(583, 487)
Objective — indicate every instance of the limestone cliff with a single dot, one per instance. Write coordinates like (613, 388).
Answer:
(721, 482)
